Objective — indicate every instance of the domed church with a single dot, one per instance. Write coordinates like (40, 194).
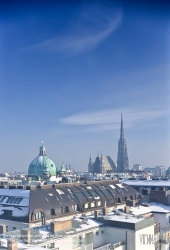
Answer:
(42, 167)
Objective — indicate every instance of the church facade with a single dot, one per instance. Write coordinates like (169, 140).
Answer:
(102, 165)
(105, 164)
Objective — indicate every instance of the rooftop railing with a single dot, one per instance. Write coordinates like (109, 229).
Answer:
(111, 246)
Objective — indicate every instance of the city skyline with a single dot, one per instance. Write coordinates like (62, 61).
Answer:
(68, 71)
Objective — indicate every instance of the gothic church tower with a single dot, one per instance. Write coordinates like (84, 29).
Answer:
(122, 156)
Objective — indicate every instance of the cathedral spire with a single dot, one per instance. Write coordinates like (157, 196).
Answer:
(121, 128)
(122, 156)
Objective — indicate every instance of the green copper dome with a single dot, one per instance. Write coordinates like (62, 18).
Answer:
(42, 165)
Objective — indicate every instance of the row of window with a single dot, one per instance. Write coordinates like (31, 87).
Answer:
(11, 200)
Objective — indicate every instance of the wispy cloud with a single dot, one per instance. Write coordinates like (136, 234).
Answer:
(110, 119)
(86, 34)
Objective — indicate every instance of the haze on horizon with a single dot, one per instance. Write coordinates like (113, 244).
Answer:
(69, 68)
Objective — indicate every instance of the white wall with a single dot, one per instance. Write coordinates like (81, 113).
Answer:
(140, 244)
(11, 224)
(162, 218)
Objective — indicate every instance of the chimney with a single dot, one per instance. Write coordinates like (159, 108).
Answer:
(2, 229)
(126, 209)
(12, 244)
(96, 214)
(26, 235)
(105, 211)
(57, 226)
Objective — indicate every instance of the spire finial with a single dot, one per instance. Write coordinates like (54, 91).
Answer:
(42, 143)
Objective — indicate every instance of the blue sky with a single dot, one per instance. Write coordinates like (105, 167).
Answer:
(67, 71)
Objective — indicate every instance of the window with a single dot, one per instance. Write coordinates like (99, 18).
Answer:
(14, 228)
(99, 192)
(105, 191)
(86, 205)
(19, 200)
(38, 216)
(99, 203)
(94, 194)
(92, 204)
(119, 201)
(86, 193)
(52, 212)
(131, 197)
(47, 200)
(57, 198)
(64, 210)
(2, 198)
(52, 245)
(97, 233)
(102, 232)
(76, 207)
(59, 191)
(79, 195)
(8, 213)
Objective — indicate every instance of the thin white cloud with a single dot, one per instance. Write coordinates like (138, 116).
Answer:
(84, 38)
(110, 119)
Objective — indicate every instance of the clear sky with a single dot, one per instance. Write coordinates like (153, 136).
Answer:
(67, 71)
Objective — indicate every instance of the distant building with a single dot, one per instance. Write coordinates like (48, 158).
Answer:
(137, 167)
(103, 164)
(160, 169)
(122, 156)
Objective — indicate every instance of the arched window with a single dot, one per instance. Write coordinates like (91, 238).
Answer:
(38, 215)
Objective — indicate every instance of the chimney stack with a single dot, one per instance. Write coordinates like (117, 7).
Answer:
(2, 229)
(57, 226)
(12, 244)
(96, 214)
(126, 209)
(26, 235)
